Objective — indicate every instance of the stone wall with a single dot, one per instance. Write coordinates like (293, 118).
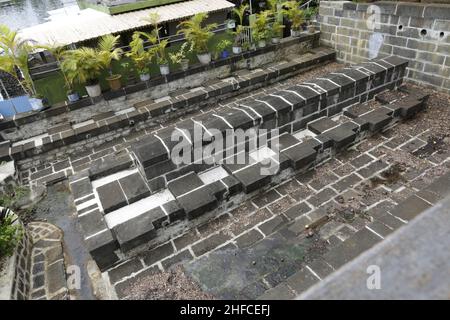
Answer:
(15, 280)
(415, 31)
(27, 125)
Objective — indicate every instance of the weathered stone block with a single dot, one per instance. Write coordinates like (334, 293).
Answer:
(301, 155)
(321, 125)
(111, 196)
(150, 151)
(252, 178)
(197, 202)
(134, 187)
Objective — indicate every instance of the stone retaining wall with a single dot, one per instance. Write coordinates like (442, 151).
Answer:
(15, 280)
(26, 125)
(415, 31)
(148, 113)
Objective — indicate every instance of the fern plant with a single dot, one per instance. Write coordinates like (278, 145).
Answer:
(85, 65)
(107, 51)
(196, 34)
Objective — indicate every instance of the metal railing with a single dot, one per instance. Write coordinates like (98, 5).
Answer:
(50, 67)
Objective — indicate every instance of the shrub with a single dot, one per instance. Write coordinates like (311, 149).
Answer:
(195, 34)
(10, 233)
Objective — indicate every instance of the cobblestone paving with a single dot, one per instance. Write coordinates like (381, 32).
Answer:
(48, 272)
(283, 241)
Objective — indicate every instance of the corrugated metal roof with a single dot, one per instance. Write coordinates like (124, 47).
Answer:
(88, 24)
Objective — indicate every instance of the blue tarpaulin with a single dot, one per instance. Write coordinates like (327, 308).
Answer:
(13, 106)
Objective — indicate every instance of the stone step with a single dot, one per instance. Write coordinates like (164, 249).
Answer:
(192, 190)
(155, 111)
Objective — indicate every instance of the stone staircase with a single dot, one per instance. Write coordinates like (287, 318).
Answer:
(143, 199)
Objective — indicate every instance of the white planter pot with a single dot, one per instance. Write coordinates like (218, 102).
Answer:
(237, 50)
(261, 43)
(164, 69)
(94, 90)
(275, 40)
(204, 58)
(295, 33)
(144, 77)
(184, 64)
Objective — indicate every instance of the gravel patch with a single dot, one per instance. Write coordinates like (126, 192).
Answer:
(170, 285)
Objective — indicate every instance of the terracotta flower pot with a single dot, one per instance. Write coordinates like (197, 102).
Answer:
(114, 82)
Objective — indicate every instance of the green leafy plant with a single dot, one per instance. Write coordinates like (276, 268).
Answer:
(260, 30)
(277, 29)
(107, 51)
(180, 55)
(291, 9)
(159, 46)
(220, 47)
(196, 34)
(239, 14)
(10, 233)
(84, 65)
(309, 13)
(59, 52)
(14, 57)
(140, 56)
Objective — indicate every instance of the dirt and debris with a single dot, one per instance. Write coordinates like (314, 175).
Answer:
(169, 285)
(391, 96)
(435, 118)
(390, 176)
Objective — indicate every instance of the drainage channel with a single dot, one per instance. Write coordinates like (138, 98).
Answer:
(57, 208)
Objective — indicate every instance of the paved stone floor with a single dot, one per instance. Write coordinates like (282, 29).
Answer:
(261, 248)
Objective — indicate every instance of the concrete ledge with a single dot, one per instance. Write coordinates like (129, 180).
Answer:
(414, 263)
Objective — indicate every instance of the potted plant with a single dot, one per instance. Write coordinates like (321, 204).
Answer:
(310, 14)
(129, 72)
(84, 66)
(179, 57)
(107, 52)
(277, 25)
(58, 52)
(141, 58)
(14, 58)
(161, 57)
(277, 29)
(220, 49)
(238, 33)
(260, 30)
(291, 9)
(158, 45)
(198, 36)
